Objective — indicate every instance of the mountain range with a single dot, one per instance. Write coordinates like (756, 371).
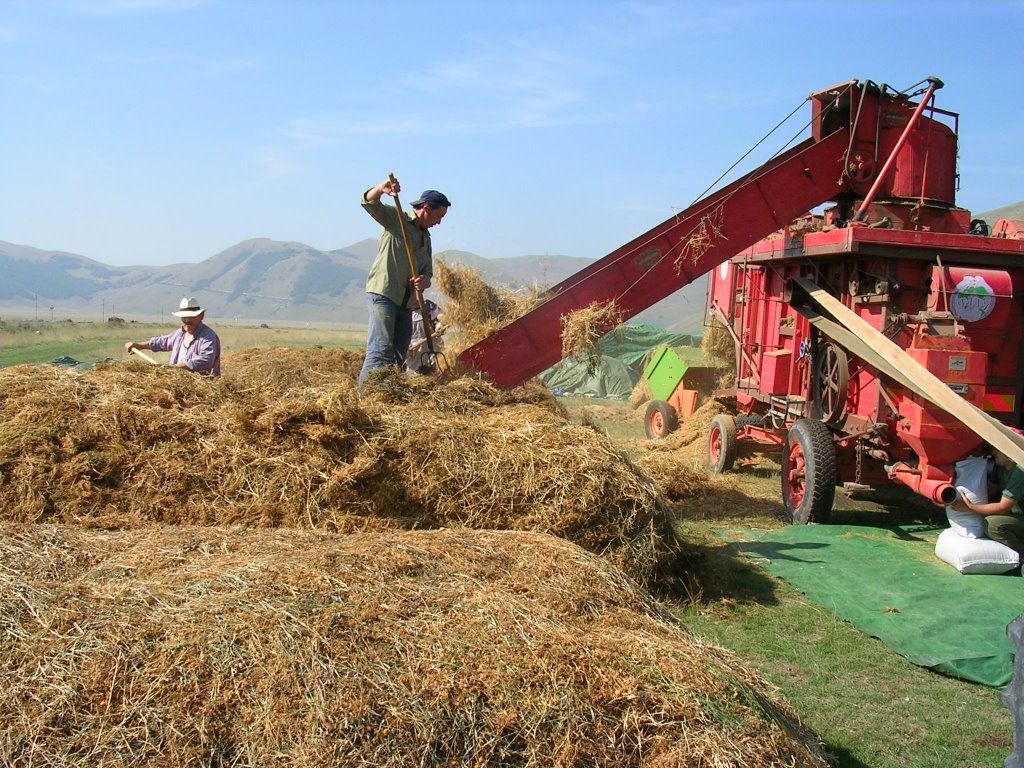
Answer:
(271, 281)
(264, 280)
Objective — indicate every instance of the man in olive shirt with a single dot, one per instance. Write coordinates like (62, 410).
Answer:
(389, 286)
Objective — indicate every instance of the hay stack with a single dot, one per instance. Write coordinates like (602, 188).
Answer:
(172, 647)
(124, 446)
(583, 328)
(474, 310)
(691, 436)
(671, 461)
(641, 394)
(284, 368)
(719, 347)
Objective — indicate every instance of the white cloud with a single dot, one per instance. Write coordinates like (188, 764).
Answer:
(104, 7)
(10, 34)
(333, 130)
(37, 83)
(197, 61)
(274, 164)
(512, 86)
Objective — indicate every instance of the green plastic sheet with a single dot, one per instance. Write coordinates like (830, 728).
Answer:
(622, 357)
(888, 583)
(610, 378)
(631, 343)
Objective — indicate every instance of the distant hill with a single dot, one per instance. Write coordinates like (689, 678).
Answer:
(682, 312)
(264, 280)
(64, 276)
(1015, 211)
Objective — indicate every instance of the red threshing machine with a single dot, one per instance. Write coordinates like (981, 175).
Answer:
(879, 341)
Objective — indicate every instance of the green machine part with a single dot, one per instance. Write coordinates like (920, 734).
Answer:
(664, 373)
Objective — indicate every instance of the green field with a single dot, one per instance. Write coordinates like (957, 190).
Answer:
(41, 342)
(869, 705)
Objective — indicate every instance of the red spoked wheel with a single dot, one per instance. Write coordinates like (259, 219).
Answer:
(808, 472)
(660, 420)
(722, 443)
(831, 380)
(795, 484)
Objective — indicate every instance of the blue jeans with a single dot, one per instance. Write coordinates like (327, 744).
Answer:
(387, 335)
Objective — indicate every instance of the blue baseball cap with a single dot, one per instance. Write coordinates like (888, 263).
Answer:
(433, 198)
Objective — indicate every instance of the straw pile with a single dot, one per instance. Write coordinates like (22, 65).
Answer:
(641, 393)
(284, 368)
(675, 463)
(708, 232)
(205, 646)
(718, 344)
(582, 329)
(123, 446)
(474, 309)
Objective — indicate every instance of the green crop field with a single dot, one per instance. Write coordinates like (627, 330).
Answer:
(42, 342)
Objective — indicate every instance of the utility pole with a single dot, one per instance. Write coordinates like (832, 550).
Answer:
(103, 316)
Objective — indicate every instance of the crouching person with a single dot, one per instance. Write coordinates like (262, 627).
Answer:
(1004, 520)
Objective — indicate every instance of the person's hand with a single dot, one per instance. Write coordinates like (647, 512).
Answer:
(390, 188)
(420, 282)
(128, 347)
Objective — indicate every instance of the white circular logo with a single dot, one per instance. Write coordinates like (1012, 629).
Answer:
(723, 271)
(973, 299)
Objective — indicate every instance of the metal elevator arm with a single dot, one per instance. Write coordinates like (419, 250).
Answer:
(668, 257)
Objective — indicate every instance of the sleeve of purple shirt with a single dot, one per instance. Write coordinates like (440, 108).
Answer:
(164, 343)
(204, 353)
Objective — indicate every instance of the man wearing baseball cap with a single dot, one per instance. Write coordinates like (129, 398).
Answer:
(194, 346)
(390, 285)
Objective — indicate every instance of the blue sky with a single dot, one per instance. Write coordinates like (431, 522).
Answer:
(162, 131)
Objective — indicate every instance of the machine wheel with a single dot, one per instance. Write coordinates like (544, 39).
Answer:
(722, 443)
(749, 420)
(831, 382)
(808, 472)
(660, 420)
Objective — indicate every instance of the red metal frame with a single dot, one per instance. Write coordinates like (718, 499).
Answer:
(893, 245)
(666, 258)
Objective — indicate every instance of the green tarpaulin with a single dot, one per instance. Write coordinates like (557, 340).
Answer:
(889, 584)
(631, 343)
(70, 362)
(623, 352)
(611, 378)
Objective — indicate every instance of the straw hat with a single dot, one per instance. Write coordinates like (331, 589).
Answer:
(188, 307)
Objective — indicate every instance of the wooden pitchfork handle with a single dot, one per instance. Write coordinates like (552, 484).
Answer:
(428, 330)
(144, 356)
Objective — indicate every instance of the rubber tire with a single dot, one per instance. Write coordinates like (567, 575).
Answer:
(660, 420)
(722, 444)
(810, 441)
(752, 420)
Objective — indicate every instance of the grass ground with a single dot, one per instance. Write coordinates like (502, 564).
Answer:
(868, 704)
(41, 342)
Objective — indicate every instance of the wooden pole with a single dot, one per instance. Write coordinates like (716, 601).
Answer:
(428, 329)
(144, 356)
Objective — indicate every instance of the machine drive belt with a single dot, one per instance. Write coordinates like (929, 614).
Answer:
(853, 333)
